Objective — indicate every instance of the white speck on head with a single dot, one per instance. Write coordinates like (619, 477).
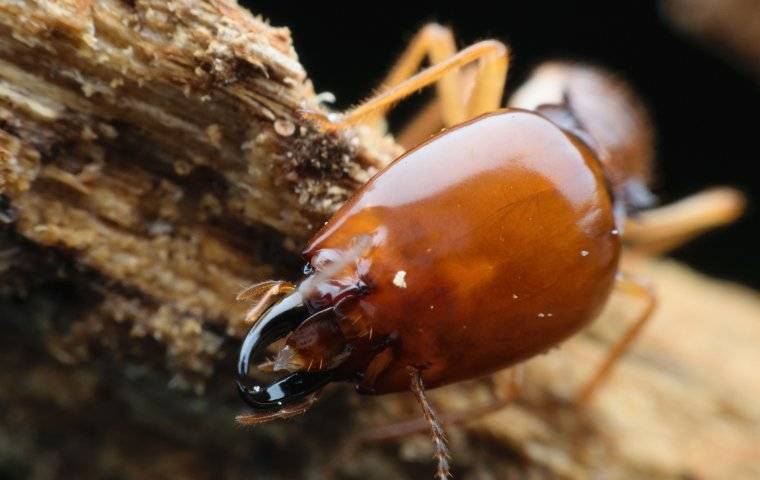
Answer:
(400, 279)
(584, 253)
(432, 307)
(514, 295)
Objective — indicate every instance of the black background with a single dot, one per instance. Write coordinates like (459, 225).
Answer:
(704, 105)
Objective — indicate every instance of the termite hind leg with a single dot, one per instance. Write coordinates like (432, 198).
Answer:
(641, 290)
(662, 229)
(440, 447)
(493, 58)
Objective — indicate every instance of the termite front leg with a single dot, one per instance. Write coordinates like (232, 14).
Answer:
(662, 229)
(437, 42)
(637, 289)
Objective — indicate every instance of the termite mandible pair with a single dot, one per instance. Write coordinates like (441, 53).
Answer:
(480, 247)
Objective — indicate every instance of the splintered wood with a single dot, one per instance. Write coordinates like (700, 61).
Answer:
(157, 144)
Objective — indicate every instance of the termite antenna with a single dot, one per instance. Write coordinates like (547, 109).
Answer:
(440, 446)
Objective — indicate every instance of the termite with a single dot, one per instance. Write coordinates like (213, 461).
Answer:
(479, 248)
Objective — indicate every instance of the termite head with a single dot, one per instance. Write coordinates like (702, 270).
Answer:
(312, 321)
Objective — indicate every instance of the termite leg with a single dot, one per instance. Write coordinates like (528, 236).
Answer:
(450, 106)
(266, 293)
(662, 229)
(493, 57)
(429, 119)
(436, 429)
(425, 122)
(437, 43)
(640, 290)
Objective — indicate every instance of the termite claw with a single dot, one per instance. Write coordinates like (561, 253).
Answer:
(290, 389)
(281, 319)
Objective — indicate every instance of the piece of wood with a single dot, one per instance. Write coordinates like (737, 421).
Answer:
(157, 145)
(152, 165)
